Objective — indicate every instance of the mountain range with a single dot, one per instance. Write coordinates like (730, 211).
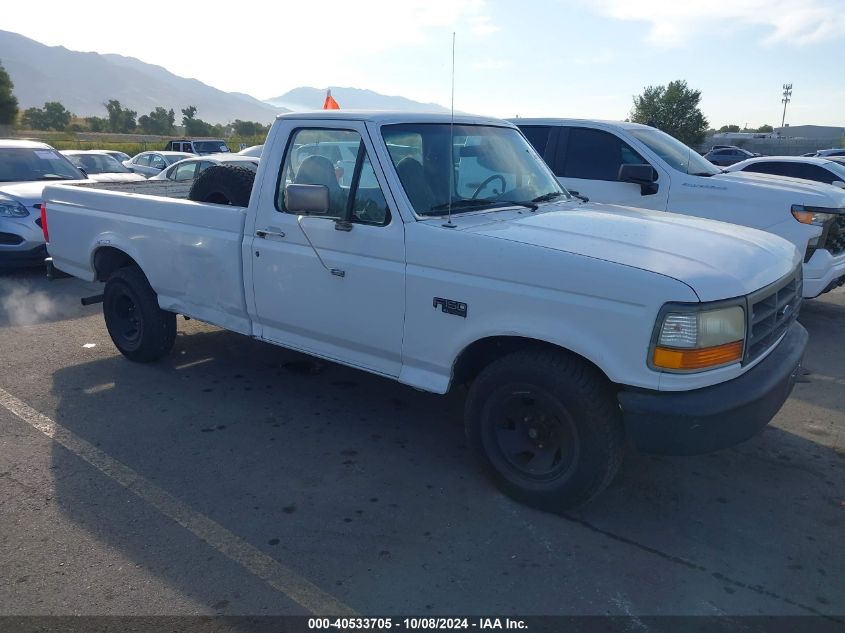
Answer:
(83, 82)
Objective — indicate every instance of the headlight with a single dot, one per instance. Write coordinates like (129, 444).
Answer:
(12, 209)
(810, 215)
(697, 338)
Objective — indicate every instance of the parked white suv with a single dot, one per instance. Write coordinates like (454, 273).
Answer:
(640, 166)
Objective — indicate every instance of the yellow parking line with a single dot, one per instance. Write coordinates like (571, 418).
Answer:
(227, 543)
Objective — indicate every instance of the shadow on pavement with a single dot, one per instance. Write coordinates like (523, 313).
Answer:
(366, 488)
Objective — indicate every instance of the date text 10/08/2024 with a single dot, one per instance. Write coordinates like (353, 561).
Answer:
(436, 624)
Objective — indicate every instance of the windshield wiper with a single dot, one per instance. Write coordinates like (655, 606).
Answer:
(547, 197)
(479, 203)
(54, 177)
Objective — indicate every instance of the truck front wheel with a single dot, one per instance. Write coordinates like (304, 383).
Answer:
(141, 330)
(546, 427)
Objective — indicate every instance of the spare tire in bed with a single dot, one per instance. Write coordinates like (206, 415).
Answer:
(223, 184)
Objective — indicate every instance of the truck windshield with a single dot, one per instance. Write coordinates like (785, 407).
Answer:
(679, 156)
(487, 167)
(24, 164)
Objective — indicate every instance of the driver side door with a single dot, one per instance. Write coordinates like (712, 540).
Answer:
(587, 161)
(332, 285)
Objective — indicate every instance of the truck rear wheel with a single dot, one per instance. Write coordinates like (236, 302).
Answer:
(141, 330)
(546, 427)
(223, 184)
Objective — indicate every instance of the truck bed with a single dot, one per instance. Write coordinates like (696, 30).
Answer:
(163, 233)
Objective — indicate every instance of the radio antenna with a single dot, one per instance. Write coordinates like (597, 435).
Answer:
(449, 224)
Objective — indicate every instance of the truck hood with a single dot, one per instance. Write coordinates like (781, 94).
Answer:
(717, 260)
(803, 192)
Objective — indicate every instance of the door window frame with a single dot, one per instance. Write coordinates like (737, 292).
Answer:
(363, 152)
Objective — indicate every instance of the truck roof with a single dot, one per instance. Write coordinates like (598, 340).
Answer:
(8, 143)
(559, 121)
(391, 117)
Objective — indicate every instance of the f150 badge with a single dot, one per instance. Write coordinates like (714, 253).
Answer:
(451, 307)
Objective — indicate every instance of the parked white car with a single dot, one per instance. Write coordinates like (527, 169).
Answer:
(254, 151)
(835, 151)
(637, 165)
(151, 163)
(101, 166)
(190, 168)
(25, 167)
(815, 169)
(573, 324)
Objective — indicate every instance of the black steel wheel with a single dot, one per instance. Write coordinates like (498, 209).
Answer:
(530, 431)
(546, 427)
(141, 330)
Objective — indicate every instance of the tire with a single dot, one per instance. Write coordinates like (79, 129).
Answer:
(141, 330)
(223, 184)
(546, 427)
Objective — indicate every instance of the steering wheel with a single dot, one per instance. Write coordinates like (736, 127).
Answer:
(487, 181)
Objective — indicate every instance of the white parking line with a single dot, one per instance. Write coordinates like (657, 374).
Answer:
(227, 543)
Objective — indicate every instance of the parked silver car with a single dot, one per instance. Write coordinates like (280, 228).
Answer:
(727, 155)
(151, 163)
(101, 166)
(25, 168)
(190, 168)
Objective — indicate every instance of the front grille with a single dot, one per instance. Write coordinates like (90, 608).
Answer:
(10, 239)
(834, 236)
(773, 310)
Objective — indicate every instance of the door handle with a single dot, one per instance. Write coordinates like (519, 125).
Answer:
(264, 234)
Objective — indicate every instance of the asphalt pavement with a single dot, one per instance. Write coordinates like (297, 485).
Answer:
(235, 477)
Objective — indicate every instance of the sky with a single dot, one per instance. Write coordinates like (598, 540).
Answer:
(569, 58)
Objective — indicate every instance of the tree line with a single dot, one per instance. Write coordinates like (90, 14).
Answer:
(119, 119)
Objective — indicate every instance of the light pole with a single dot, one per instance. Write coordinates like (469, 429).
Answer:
(787, 93)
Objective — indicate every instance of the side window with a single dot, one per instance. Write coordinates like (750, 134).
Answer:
(369, 205)
(764, 168)
(185, 171)
(203, 166)
(316, 157)
(329, 158)
(144, 160)
(595, 155)
(538, 136)
(813, 172)
(157, 162)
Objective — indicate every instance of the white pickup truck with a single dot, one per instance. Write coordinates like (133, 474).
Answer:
(454, 257)
(640, 166)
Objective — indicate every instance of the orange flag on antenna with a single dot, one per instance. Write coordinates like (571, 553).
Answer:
(330, 103)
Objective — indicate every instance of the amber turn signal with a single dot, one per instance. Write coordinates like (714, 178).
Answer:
(804, 217)
(672, 358)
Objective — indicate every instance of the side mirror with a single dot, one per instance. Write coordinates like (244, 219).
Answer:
(838, 183)
(643, 175)
(307, 199)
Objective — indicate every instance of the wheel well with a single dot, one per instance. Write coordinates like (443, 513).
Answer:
(476, 356)
(108, 259)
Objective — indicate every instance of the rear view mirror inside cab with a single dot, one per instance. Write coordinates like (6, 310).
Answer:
(307, 199)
